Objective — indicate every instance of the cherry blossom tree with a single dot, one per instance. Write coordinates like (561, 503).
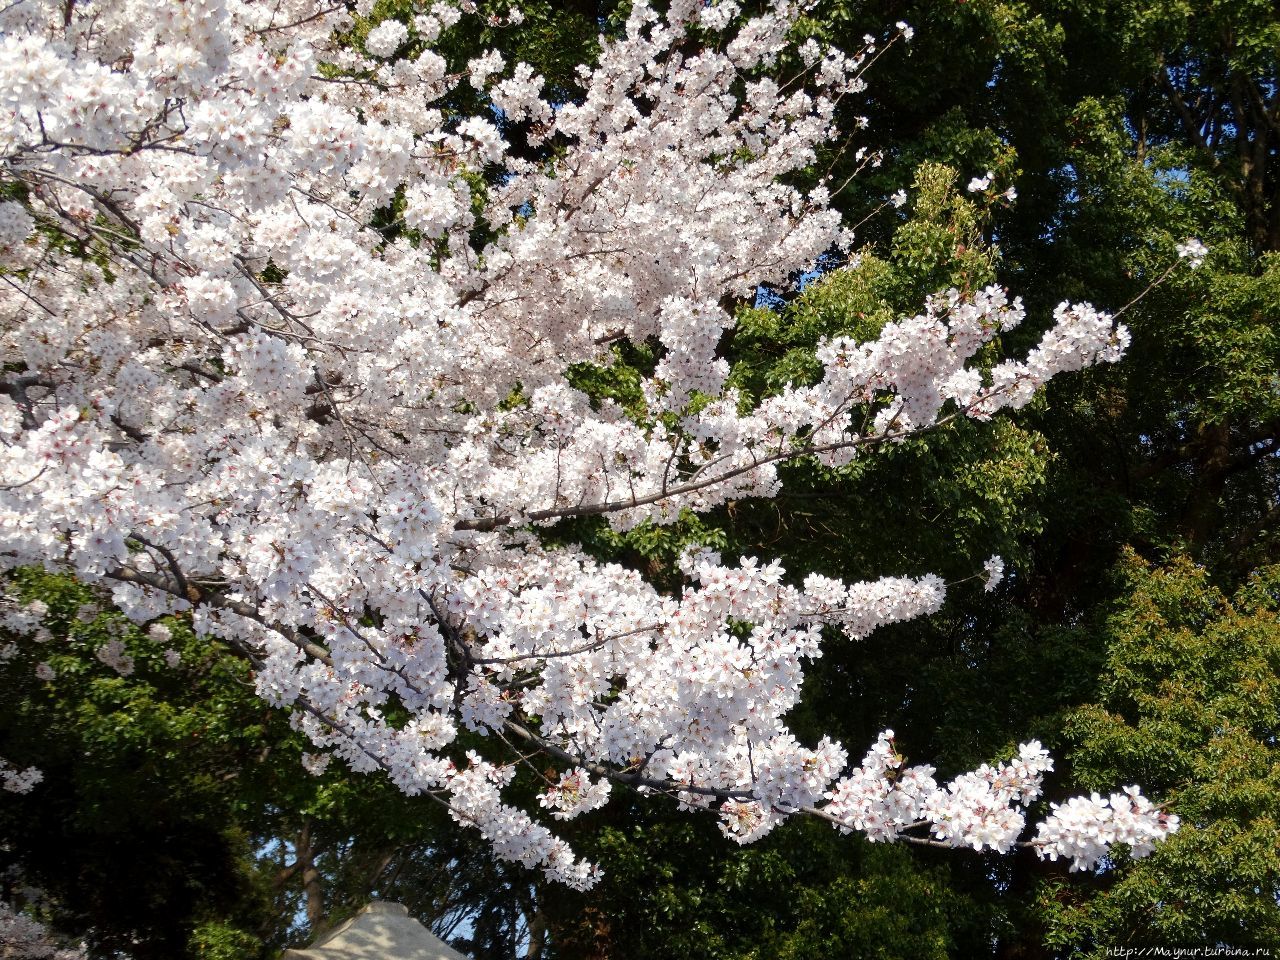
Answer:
(286, 349)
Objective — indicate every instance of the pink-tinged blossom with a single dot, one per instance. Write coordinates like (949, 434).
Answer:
(986, 808)
(1193, 251)
(994, 570)
(574, 793)
(19, 781)
(23, 938)
(15, 224)
(1084, 828)
(980, 184)
(316, 763)
(384, 39)
(115, 656)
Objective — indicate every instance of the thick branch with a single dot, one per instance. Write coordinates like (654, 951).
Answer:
(693, 486)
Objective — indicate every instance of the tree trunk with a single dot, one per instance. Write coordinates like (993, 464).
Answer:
(312, 886)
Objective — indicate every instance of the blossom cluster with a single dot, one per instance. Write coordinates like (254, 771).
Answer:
(24, 938)
(19, 781)
(1085, 828)
(1193, 251)
(116, 656)
(985, 809)
(574, 793)
(309, 388)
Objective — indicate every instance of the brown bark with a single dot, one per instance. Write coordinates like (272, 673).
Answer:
(312, 886)
(537, 935)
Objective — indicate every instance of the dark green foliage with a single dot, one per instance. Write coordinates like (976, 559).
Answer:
(134, 831)
(676, 887)
(1190, 706)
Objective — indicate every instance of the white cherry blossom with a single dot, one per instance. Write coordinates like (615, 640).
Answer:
(1193, 251)
(994, 569)
(979, 184)
(329, 433)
